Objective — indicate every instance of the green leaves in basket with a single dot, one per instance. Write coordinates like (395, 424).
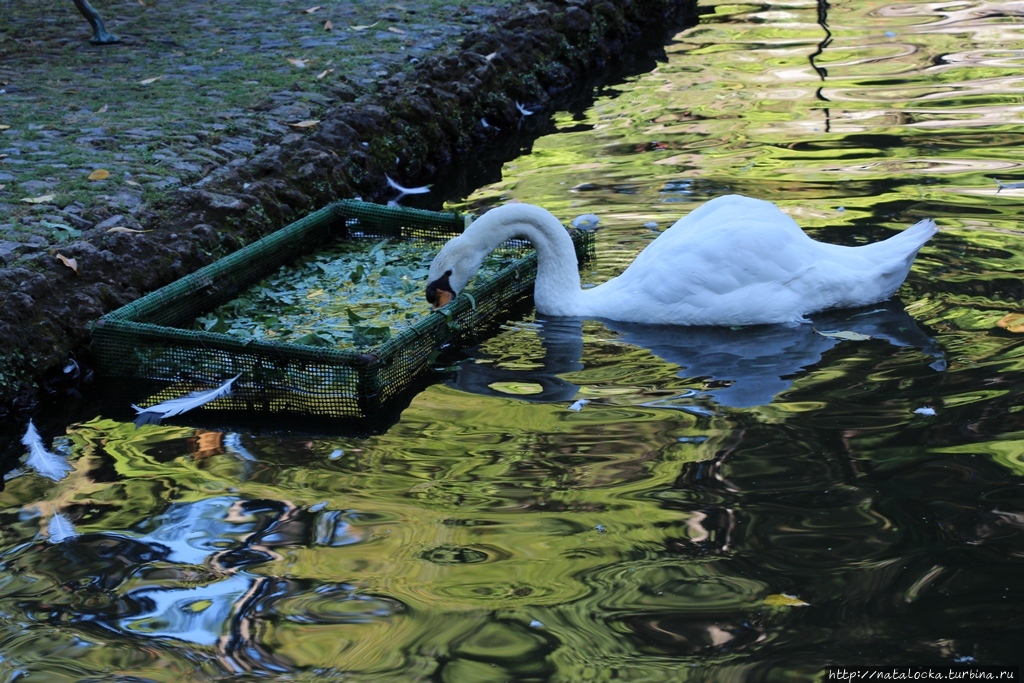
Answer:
(347, 296)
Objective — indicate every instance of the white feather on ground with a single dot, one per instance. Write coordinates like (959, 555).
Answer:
(44, 462)
(177, 406)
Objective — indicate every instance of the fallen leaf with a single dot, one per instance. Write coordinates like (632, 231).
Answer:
(849, 336)
(42, 199)
(69, 262)
(102, 110)
(147, 81)
(132, 182)
(312, 9)
(328, 26)
(301, 63)
(3, 127)
(1012, 322)
(2, 187)
(783, 600)
(363, 28)
(395, 29)
(99, 174)
(121, 228)
(305, 124)
(217, 52)
(323, 73)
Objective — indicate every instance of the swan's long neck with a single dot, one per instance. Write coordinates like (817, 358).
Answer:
(557, 290)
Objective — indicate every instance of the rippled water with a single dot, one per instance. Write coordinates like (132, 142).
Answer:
(494, 534)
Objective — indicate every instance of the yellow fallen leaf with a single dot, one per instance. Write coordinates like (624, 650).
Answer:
(42, 199)
(99, 174)
(783, 600)
(363, 28)
(305, 124)
(147, 81)
(217, 52)
(323, 73)
(1012, 322)
(69, 262)
(3, 127)
(301, 63)
(102, 110)
(312, 9)
(395, 29)
(134, 183)
(121, 228)
(328, 26)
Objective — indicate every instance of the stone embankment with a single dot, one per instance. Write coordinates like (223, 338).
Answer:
(417, 110)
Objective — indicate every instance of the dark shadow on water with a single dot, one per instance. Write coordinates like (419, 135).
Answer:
(754, 364)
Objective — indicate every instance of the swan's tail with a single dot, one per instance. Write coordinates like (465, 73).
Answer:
(913, 238)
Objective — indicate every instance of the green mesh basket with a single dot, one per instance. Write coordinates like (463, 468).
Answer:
(145, 340)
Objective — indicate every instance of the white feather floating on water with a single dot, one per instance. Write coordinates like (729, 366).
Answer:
(177, 406)
(60, 529)
(44, 462)
(402, 191)
(523, 110)
(1007, 186)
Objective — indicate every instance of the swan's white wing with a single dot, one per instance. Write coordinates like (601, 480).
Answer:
(733, 263)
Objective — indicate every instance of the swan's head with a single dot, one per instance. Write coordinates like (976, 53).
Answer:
(453, 268)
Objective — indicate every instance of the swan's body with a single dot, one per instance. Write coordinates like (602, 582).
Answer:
(733, 261)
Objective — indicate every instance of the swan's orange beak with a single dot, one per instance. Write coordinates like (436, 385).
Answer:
(443, 297)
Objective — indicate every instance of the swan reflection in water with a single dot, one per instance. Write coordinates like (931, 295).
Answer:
(754, 364)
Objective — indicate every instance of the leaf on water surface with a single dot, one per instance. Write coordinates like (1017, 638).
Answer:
(69, 262)
(1012, 322)
(42, 199)
(784, 600)
(60, 529)
(177, 406)
(46, 463)
(849, 336)
(154, 79)
(99, 174)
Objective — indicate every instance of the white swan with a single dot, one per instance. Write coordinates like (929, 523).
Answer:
(733, 261)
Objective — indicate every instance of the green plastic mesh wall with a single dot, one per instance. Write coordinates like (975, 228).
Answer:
(145, 339)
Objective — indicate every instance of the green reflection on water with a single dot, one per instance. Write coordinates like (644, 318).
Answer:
(494, 534)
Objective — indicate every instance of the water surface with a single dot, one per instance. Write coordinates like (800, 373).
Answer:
(494, 534)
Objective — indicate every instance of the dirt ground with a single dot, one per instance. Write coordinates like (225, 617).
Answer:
(126, 166)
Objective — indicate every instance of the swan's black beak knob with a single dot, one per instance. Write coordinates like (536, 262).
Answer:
(439, 292)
